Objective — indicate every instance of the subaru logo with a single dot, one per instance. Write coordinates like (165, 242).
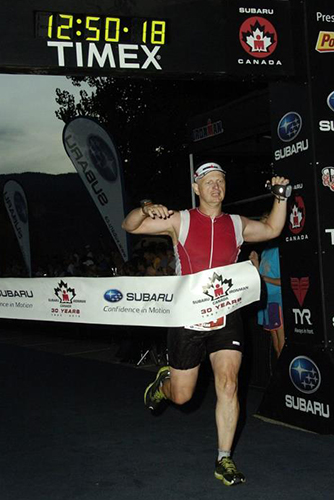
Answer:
(304, 374)
(113, 295)
(102, 157)
(289, 126)
(21, 207)
(330, 101)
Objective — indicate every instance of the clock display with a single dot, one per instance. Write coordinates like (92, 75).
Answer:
(108, 29)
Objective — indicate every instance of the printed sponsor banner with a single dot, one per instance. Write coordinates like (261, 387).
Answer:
(140, 38)
(303, 318)
(322, 91)
(323, 100)
(152, 301)
(17, 208)
(293, 154)
(259, 38)
(95, 157)
(320, 43)
(210, 129)
(328, 276)
(300, 391)
(291, 129)
(220, 126)
(320, 26)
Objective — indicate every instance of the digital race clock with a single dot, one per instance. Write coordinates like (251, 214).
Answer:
(174, 38)
(93, 28)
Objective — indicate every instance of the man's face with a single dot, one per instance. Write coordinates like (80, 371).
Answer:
(211, 188)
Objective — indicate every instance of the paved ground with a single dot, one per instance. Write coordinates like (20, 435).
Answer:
(73, 426)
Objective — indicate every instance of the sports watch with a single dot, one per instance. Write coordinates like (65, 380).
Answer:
(145, 202)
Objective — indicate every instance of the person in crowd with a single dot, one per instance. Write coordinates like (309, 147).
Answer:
(271, 317)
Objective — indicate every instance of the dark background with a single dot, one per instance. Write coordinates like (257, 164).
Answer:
(149, 123)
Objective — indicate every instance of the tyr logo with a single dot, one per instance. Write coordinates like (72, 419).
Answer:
(301, 315)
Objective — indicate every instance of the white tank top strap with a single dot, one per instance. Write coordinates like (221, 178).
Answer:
(184, 226)
(237, 223)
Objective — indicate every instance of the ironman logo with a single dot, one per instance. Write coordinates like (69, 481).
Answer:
(258, 37)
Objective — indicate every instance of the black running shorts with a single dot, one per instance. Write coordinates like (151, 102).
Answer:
(188, 348)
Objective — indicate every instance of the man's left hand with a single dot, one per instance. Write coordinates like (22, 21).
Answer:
(282, 181)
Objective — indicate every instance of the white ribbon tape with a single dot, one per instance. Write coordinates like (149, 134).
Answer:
(151, 301)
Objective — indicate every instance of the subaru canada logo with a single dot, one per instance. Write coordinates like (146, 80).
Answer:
(330, 101)
(304, 374)
(64, 293)
(258, 37)
(289, 126)
(297, 215)
(113, 295)
(217, 287)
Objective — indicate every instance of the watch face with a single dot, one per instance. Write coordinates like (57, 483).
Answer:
(288, 191)
(145, 202)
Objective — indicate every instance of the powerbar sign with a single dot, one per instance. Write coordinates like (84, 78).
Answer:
(325, 42)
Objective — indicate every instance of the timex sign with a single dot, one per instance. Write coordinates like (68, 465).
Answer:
(101, 41)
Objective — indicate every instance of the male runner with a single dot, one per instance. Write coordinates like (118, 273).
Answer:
(205, 238)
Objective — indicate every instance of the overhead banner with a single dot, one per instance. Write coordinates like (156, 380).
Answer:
(17, 208)
(146, 38)
(259, 38)
(95, 157)
(139, 301)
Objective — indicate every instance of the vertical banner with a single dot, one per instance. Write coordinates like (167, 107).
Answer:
(95, 157)
(300, 392)
(17, 208)
(293, 148)
(320, 25)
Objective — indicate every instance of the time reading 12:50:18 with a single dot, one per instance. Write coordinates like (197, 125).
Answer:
(97, 28)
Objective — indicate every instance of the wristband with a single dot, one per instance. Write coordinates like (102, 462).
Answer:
(145, 203)
(279, 199)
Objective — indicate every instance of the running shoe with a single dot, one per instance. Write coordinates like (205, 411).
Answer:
(227, 472)
(153, 394)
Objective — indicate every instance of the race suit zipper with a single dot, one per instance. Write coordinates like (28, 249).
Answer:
(212, 237)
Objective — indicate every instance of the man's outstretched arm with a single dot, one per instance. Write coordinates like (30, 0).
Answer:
(153, 219)
(255, 231)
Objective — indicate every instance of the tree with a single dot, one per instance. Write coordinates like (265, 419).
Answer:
(147, 119)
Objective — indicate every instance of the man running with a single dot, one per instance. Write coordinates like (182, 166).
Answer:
(205, 238)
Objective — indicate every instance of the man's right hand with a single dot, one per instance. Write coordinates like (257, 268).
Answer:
(156, 210)
(153, 218)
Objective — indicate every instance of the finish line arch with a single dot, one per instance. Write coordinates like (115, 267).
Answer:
(289, 44)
